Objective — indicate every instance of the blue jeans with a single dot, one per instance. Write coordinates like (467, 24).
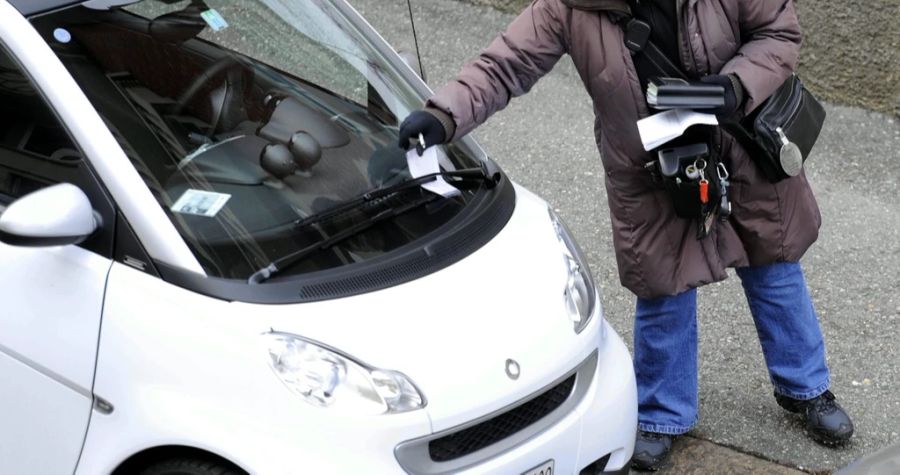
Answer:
(665, 346)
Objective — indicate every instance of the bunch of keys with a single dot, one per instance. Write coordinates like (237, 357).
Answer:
(695, 171)
(724, 203)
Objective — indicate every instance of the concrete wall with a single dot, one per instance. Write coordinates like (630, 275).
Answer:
(851, 51)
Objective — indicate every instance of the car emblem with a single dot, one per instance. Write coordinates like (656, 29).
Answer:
(512, 369)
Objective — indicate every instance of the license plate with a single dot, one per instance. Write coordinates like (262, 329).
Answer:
(545, 468)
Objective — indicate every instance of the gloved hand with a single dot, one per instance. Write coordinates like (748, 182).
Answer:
(734, 93)
(425, 123)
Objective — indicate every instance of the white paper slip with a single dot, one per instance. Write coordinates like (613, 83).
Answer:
(429, 163)
(660, 128)
(200, 203)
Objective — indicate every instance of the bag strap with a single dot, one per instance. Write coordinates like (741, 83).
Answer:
(739, 132)
(751, 146)
(637, 33)
(637, 40)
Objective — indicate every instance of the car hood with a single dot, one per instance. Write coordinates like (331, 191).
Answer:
(453, 331)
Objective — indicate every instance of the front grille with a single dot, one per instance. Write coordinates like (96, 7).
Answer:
(493, 430)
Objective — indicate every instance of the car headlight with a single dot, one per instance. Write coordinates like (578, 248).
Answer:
(325, 377)
(580, 293)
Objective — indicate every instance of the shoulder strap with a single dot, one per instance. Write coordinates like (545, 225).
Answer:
(744, 137)
(637, 40)
(637, 33)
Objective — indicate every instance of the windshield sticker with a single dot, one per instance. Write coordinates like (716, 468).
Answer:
(214, 20)
(200, 203)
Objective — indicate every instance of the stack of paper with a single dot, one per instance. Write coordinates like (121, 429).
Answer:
(665, 126)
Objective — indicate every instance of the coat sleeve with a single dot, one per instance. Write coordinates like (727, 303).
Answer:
(771, 47)
(529, 48)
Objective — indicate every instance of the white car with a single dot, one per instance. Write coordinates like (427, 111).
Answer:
(215, 259)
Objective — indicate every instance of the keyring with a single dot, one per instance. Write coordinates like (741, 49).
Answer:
(722, 171)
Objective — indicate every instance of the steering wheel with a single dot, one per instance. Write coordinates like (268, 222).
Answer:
(227, 101)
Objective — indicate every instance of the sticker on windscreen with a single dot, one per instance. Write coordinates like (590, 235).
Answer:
(200, 203)
(214, 20)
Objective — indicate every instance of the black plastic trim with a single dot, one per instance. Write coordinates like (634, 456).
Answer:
(487, 433)
(597, 467)
(625, 470)
(450, 243)
(128, 248)
(34, 241)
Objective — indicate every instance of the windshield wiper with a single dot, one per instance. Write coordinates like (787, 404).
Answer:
(282, 263)
(463, 175)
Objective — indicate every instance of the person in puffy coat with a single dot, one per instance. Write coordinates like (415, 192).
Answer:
(749, 47)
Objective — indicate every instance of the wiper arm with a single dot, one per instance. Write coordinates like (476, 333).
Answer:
(463, 175)
(284, 262)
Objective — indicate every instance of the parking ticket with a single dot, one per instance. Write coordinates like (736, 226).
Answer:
(429, 163)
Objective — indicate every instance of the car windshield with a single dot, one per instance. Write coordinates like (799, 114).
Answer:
(247, 117)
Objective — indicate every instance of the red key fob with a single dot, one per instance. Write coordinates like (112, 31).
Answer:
(704, 191)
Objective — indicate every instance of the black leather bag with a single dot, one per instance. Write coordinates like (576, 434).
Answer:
(780, 133)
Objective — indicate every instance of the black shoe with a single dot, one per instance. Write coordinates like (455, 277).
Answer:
(826, 421)
(650, 450)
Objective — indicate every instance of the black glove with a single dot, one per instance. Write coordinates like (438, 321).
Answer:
(421, 122)
(734, 93)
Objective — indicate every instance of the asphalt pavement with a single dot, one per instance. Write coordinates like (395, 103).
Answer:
(544, 141)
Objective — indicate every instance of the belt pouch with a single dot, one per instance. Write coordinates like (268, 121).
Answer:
(680, 169)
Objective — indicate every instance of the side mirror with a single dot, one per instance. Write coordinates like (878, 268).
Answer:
(178, 27)
(54, 216)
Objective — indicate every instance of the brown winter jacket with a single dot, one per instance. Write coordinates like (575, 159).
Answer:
(657, 252)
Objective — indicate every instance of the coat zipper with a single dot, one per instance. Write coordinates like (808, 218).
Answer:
(785, 120)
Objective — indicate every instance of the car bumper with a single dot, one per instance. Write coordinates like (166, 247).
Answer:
(591, 431)
(602, 424)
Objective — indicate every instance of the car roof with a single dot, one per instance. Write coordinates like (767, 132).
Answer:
(30, 7)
